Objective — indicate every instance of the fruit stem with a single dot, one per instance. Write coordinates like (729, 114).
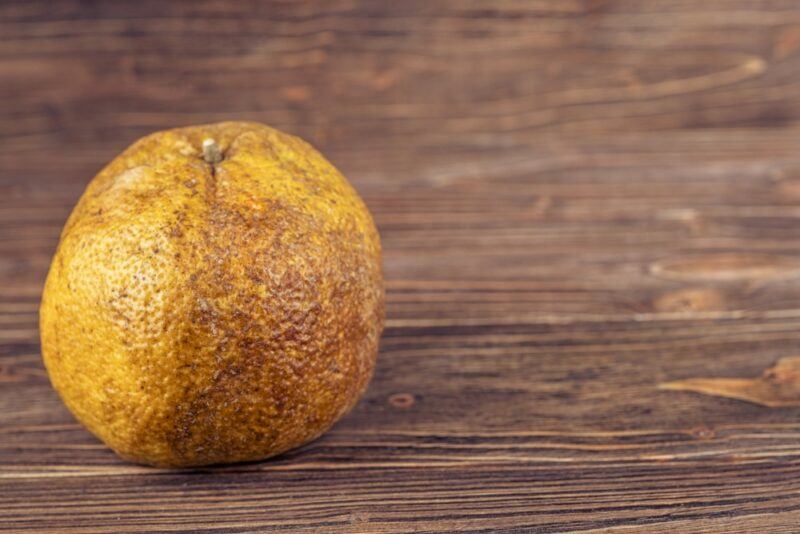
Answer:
(211, 152)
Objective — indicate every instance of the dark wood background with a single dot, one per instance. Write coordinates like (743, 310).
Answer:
(579, 201)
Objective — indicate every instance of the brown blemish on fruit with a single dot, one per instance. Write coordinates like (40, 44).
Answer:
(777, 387)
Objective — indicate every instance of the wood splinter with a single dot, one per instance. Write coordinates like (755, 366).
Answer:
(777, 387)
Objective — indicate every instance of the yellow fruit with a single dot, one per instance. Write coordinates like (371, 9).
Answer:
(216, 296)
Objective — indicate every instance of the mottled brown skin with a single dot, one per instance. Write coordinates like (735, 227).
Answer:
(200, 312)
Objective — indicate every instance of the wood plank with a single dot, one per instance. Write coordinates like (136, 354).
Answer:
(578, 201)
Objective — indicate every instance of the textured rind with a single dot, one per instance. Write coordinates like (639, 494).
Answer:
(201, 313)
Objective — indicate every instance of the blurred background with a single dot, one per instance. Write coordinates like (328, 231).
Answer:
(579, 200)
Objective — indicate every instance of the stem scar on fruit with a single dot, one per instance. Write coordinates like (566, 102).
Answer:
(211, 152)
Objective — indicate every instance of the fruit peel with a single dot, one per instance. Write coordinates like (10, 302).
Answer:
(204, 312)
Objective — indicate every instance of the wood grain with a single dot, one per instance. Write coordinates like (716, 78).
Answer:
(578, 200)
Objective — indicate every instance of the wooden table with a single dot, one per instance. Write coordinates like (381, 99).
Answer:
(579, 201)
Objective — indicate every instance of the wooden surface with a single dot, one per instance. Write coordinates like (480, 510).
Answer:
(579, 201)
